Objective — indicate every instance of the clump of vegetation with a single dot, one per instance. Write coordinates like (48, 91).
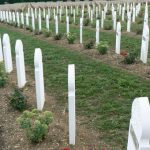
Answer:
(58, 36)
(102, 47)
(47, 33)
(3, 76)
(139, 30)
(108, 12)
(30, 28)
(71, 38)
(86, 22)
(93, 24)
(37, 32)
(36, 124)
(108, 25)
(18, 100)
(89, 44)
(130, 58)
(70, 21)
(139, 21)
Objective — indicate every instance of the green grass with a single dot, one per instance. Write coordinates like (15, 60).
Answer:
(103, 94)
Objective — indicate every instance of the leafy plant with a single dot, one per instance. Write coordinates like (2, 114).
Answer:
(108, 25)
(71, 38)
(102, 47)
(58, 36)
(89, 44)
(86, 22)
(47, 33)
(130, 58)
(18, 100)
(35, 123)
(3, 76)
(93, 24)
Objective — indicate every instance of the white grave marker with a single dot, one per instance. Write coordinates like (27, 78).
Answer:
(139, 128)
(118, 38)
(97, 32)
(71, 104)
(81, 30)
(145, 43)
(7, 53)
(20, 66)
(39, 80)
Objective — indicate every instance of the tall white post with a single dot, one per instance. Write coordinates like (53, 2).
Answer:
(47, 22)
(1, 51)
(81, 30)
(145, 44)
(7, 53)
(27, 20)
(71, 104)
(118, 38)
(56, 24)
(102, 20)
(97, 32)
(129, 22)
(39, 20)
(20, 66)
(67, 21)
(39, 79)
(33, 22)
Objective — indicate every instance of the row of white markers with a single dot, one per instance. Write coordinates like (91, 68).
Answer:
(139, 129)
(5, 55)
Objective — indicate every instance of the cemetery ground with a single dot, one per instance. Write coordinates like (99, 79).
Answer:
(104, 93)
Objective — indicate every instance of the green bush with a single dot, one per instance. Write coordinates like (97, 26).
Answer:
(89, 44)
(86, 22)
(139, 30)
(108, 12)
(3, 76)
(130, 58)
(108, 25)
(93, 24)
(102, 47)
(71, 38)
(47, 33)
(35, 123)
(58, 36)
(37, 32)
(18, 100)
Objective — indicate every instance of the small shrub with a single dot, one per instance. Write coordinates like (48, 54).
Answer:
(89, 44)
(139, 21)
(108, 25)
(71, 38)
(70, 21)
(102, 47)
(36, 32)
(58, 36)
(47, 33)
(18, 100)
(35, 123)
(86, 22)
(139, 31)
(109, 17)
(93, 24)
(3, 76)
(108, 12)
(30, 29)
(131, 57)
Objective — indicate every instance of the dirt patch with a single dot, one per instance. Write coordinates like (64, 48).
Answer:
(14, 138)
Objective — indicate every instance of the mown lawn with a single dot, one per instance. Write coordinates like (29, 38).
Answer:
(103, 94)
